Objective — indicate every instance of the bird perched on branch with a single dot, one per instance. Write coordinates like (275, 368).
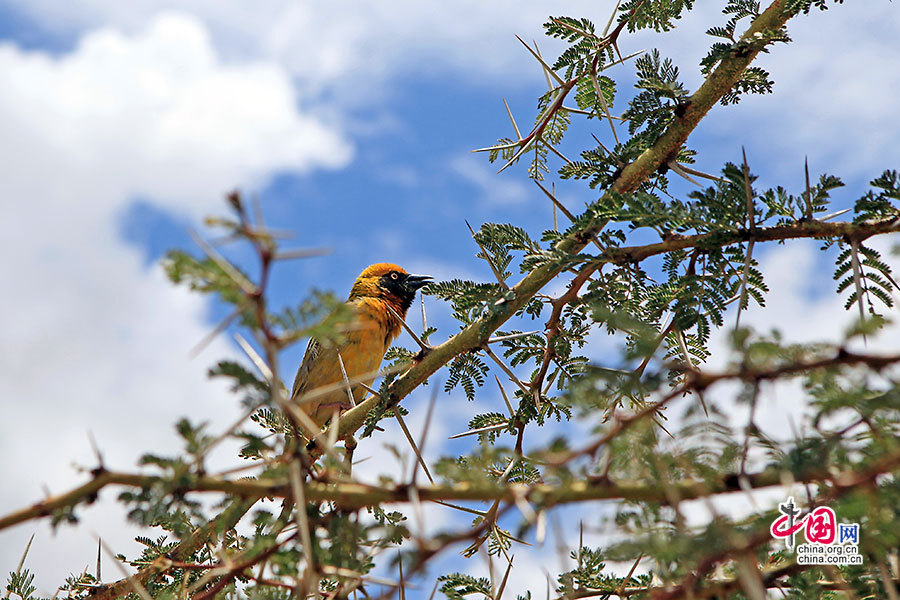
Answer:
(319, 387)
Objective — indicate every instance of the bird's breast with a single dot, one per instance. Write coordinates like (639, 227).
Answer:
(374, 315)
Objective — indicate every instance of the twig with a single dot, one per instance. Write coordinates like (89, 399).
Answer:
(838, 213)
(254, 357)
(553, 326)
(857, 279)
(692, 171)
(565, 211)
(512, 413)
(209, 337)
(547, 68)
(353, 495)
(887, 580)
(752, 224)
(602, 98)
(678, 170)
(301, 253)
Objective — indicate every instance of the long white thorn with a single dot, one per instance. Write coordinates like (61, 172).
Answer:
(479, 430)
(422, 345)
(548, 71)
(611, 18)
(512, 336)
(676, 168)
(830, 216)
(512, 120)
(412, 444)
(246, 285)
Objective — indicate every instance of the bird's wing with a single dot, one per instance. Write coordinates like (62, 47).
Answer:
(309, 358)
(361, 351)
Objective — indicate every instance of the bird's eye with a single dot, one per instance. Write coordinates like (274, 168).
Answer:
(395, 275)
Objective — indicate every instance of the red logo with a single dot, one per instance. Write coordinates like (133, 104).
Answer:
(820, 525)
(827, 541)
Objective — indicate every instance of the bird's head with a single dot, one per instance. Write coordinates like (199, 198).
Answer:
(389, 282)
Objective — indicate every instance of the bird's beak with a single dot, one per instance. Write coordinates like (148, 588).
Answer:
(414, 282)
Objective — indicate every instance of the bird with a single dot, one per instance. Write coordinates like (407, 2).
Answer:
(378, 290)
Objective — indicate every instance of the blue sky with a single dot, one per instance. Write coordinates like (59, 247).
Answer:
(125, 123)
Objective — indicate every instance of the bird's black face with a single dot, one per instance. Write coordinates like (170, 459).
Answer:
(403, 285)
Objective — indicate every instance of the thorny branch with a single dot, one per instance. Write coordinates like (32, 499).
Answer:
(351, 495)
(553, 326)
(356, 495)
(719, 82)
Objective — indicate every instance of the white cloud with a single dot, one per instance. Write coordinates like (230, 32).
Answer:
(494, 189)
(803, 303)
(833, 98)
(343, 42)
(804, 308)
(403, 176)
(841, 108)
(94, 341)
(157, 114)
(837, 104)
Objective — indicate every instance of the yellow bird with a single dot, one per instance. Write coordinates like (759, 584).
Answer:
(373, 329)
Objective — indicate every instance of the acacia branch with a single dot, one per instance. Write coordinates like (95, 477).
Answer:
(554, 325)
(804, 229)
(690, 587)
(478, 333)
(698, 381)
(717, 84)
(355, 495)
(225, 520)
(351, 495)
(718, 589)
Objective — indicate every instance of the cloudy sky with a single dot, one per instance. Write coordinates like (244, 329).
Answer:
(123, 124)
